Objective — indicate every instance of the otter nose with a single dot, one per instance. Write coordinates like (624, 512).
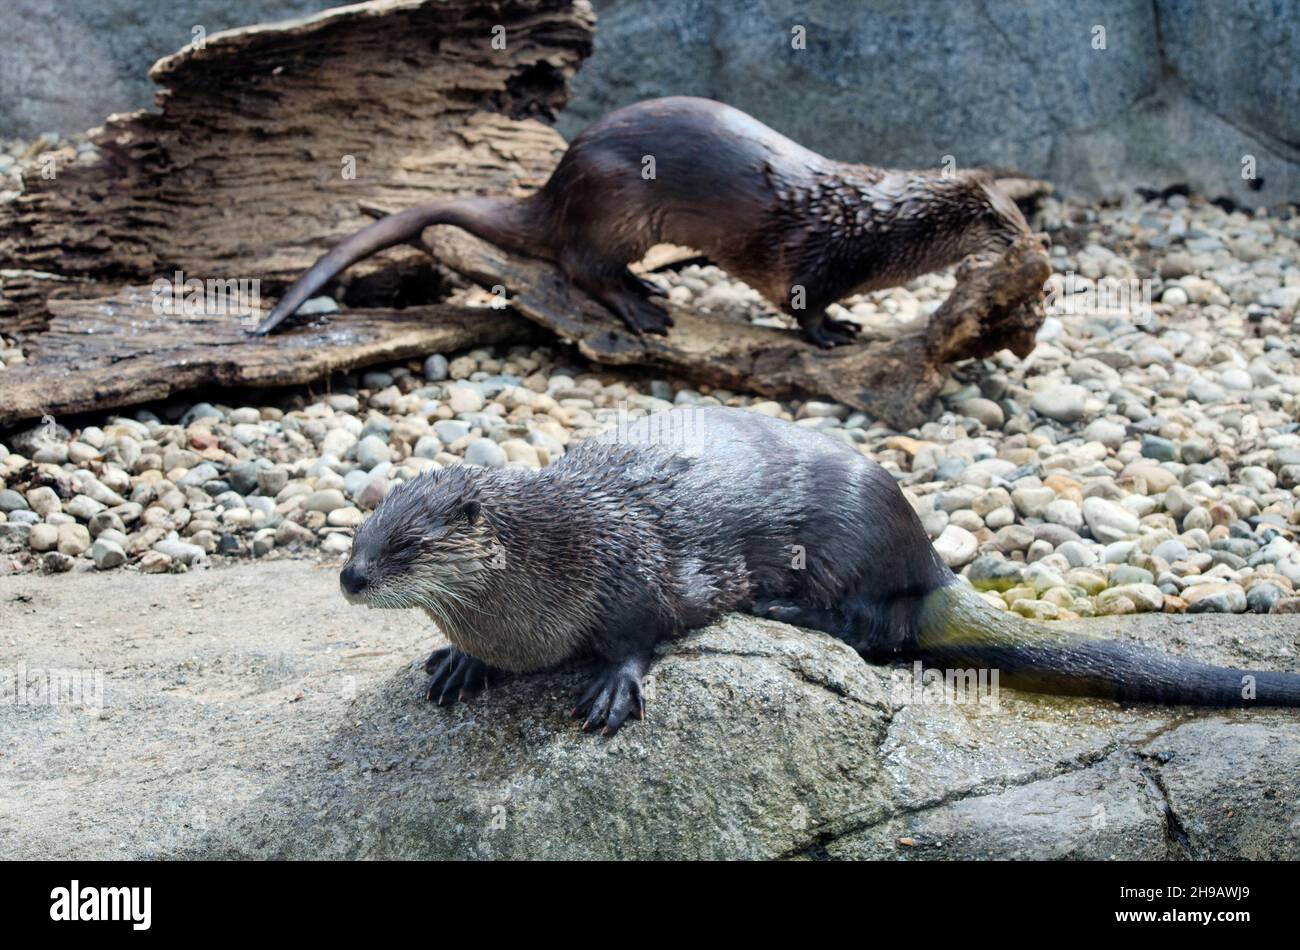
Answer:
(352, 578)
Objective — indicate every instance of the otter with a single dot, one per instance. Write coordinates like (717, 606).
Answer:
(665, 524)
(801, 229)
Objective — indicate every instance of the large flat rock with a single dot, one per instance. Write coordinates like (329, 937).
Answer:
(248, 711)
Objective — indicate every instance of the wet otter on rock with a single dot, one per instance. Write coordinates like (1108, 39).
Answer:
(666, 524)
(801, 229)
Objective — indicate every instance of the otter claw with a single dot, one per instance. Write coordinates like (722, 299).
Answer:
(608, 701)
(641, 316)
(456, 676)
(832, 333)
(436, 659)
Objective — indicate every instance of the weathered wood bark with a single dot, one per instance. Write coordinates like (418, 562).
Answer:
(116, 351)
(241, 175)
(996, 304)
(245, 172)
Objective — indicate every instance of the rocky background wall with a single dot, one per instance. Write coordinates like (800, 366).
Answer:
(1098, 96)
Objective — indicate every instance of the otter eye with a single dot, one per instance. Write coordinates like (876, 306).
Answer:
(470, 510)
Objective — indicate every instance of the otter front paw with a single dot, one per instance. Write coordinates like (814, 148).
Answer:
(456, 676)
(611, 697)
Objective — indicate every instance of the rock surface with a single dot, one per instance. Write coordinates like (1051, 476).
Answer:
(894, 84)
(249, 731)
(1159, 79)
(44, 87)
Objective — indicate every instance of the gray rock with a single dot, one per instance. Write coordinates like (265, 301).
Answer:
(1171, 550)
(427, 447)
(449, 430)
(1109, 434)
(200, 410)
(326, 500)
(1064, 403)
(994, 573)
(987, 412)
(1077, 553)
(83, 507)
(199, 474)
(1116, 135)
(107, 554)
(1204, 391)
(837, 757)
(1064, 512)
(956, 546)
(1215, 598)
(508, 809)
(1108, 521)
(372, 492)
(372, 451)
(435, 368)
(243, 478)
(291, 534)
(318, 305)
(1162, 450)
(1055, 534)
(11, 500)
(950, 782)
(1262, 597)
(486, 453)
(270, 481)
(181, 551)
(1032, 502)
(1129, 574)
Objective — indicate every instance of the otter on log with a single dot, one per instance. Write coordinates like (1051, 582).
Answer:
(663, 525)
(801, 229)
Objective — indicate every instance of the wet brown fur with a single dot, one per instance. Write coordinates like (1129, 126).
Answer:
(664, 525)
(769, 211)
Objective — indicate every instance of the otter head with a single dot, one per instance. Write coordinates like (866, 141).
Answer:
(998, 222)
(428, 544)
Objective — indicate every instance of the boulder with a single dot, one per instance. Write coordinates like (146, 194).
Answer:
(297, 727)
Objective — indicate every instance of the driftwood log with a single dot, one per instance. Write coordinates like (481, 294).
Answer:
(116, 351)
(997, 304)
(272, 143)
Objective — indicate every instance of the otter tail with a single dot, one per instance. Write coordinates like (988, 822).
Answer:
(501, 221)
(957, 626)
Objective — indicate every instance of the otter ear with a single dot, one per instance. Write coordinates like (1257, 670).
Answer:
(1001, 203)
(470, 509)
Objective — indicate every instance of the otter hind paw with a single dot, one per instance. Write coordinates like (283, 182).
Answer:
(456, 676)
(782, 610)
(830, 333)
(610, 698)
(647, 286)
(640, 314)
(834, 622)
